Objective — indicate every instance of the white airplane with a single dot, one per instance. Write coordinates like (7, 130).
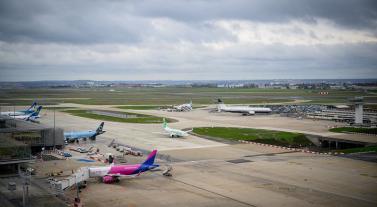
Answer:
(245, 110)
(27, 111)
(30, 117)
(183, 107)
(174, 132)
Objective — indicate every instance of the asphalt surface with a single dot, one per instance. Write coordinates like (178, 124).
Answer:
(204, 174)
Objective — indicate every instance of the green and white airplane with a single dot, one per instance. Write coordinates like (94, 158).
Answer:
(174, 132)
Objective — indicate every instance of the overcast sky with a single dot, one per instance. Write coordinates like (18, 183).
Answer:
(181, 40)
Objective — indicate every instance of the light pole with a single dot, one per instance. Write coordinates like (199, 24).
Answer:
(54, 129)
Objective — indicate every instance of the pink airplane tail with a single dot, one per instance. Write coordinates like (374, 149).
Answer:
(151, 157)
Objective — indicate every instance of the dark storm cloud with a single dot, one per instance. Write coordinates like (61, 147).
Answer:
(352, 13)
(187, 39)
(85, 22)
(67, 21)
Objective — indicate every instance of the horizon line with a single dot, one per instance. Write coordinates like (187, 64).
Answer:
(189, 80)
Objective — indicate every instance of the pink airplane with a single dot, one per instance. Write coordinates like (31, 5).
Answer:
(111, 174)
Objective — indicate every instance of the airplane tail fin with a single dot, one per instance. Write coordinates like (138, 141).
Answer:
(165, 124)
(36, 113)
(151, 157)
(100, 127)
(33, 116)
(220, 105)
(32, 106)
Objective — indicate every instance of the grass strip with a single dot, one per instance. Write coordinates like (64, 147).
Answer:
(354, 130)
(280, 138)
(142, 118)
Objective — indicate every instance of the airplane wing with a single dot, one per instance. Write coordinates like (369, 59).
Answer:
(33, 120)
(164, 133)
(119, 175)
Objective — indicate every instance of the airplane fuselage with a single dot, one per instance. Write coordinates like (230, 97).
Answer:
(21, 116)
(110, 174)
(17, 113)
(69, 136)
(76, 136)
(183, 107)
(244, 109)
(175, 132)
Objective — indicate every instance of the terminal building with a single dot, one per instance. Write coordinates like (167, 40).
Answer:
(344, 116)
(21, 140)
(357, 116)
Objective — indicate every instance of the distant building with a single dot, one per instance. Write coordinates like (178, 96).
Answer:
(337, 87)
(230, 85)
(292, 86)
(359, 102)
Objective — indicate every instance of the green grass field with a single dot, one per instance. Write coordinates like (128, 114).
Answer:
(175, 95)
(359, 149)
(140, 107)
(58, 108)
(355, 130)
(256, 135)
(142, 118)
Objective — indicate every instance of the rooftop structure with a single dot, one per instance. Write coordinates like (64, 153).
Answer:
(20, 139)
(358, 101)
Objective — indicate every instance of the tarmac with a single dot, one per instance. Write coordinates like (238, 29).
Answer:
(210, 173)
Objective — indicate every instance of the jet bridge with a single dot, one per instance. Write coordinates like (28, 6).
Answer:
(82, 174)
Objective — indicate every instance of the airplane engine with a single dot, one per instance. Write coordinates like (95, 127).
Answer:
(249, 113)
(109, 179)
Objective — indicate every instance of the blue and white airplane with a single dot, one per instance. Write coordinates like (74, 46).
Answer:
(76, 136)
(30, 117)
(27, 111)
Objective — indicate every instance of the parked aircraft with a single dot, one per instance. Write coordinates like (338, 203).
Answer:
(245, 110)
(27, 111)
(112, 173)
(174, 132)
(183, 107)
(30, 117)
(76, 136)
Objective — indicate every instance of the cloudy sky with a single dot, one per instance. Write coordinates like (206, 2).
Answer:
(196, 40)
